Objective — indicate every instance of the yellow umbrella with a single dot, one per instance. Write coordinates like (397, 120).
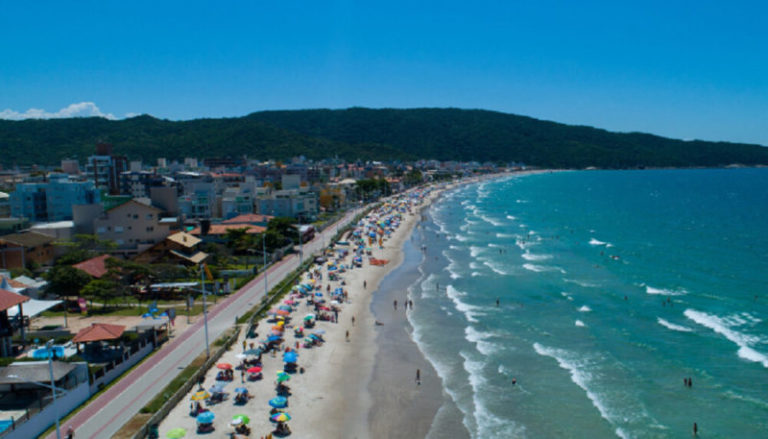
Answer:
(201, 395)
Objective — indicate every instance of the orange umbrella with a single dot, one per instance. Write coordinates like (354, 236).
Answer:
(224, 366)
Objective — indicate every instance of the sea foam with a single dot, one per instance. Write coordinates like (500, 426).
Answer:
(528, 256)
(664, 292)
(672, 326)
(720, 326)
(542, 268)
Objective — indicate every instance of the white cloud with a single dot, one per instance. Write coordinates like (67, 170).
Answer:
(80, 109)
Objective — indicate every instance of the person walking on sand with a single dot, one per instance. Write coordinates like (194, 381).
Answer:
(365, 284)
(70, 432)
(394, 304)
(418, 376)
(347, 335)
(353, 320)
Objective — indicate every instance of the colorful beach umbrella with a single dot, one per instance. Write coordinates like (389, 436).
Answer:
(273, 338)
(290, 357)
(176, 433)
(206, 417)
(224, 366)
(201, 395)
(241, 390)
(283, 378)
(254, 369)
(279, 402)
(252, 352)
(283, 312)
(310, 317)
(240, 419)
(281, 417)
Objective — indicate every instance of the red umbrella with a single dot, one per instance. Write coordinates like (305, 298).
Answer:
(254, 369)
(224, 366)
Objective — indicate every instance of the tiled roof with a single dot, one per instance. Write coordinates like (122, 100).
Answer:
(248, 218)
(9, 299)
(184, 239)
(221, 229)
(98, 332)
(96, 267)
(28, 239)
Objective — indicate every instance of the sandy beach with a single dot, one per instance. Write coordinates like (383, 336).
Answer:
(330, 398)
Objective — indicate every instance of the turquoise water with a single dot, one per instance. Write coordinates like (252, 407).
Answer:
(613, 287)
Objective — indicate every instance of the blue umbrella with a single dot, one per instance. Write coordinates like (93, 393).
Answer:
(146, 315)
(217, 388)
(241, 390)
(290, 357)
(273, 338)
(318, 294)
(278, 402)
(285, 307)
(205, 417)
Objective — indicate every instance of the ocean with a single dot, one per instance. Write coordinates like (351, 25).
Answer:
(613, 287)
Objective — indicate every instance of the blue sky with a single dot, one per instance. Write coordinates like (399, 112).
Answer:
(679, 69)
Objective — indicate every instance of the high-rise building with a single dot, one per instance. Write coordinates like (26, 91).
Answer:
(52, 200)
(105, 168)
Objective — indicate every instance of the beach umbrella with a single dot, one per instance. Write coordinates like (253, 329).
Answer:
(273, 338)
(319, 331)
(200, 395)
(283, 312)
(205, 417)
(283, 378)
(310, 317)
(252, 352)
(290, 357)
(285, 307)
(241, 356)
(240, 419)
(224, 366)
(217, 388)
(254, 369)
(319, 294)
(279, 402)
(277, 328)
(147, 315)
(241, 390)
(176, 433)
(308, 339)
(281, 417)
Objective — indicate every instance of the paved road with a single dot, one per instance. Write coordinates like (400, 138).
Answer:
(104, 416)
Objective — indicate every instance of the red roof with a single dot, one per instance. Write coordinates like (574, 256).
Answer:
(248, 218)
(98, 332)
(221, 229)
(96, 267)
(13, 283)
(10, 299)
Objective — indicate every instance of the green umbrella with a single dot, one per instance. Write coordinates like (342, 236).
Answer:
(283, 378)
(176, 433)
(240, 419)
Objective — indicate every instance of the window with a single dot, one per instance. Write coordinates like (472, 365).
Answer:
(101, 229)
(119, 241)
(150, 229)
(149, 216)
(135, 217)
(118, 229)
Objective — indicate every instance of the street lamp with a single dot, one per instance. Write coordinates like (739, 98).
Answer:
(205, 311)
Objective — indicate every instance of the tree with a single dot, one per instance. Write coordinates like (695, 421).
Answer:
(413, 178)
(238, 240)
(101, 290)
(66, 280)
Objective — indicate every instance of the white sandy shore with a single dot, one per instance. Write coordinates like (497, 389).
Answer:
(330, 399)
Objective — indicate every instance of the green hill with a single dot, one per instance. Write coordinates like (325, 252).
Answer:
(361, 133)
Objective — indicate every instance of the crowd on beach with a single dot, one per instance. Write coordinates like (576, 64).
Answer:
(282, 345)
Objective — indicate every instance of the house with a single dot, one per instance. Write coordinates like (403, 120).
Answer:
(180, 247)
(295, 203)
(19, 250)
(134, 226)
(9, 299)
(95, 267)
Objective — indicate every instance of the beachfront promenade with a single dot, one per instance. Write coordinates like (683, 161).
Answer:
(104, 416)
